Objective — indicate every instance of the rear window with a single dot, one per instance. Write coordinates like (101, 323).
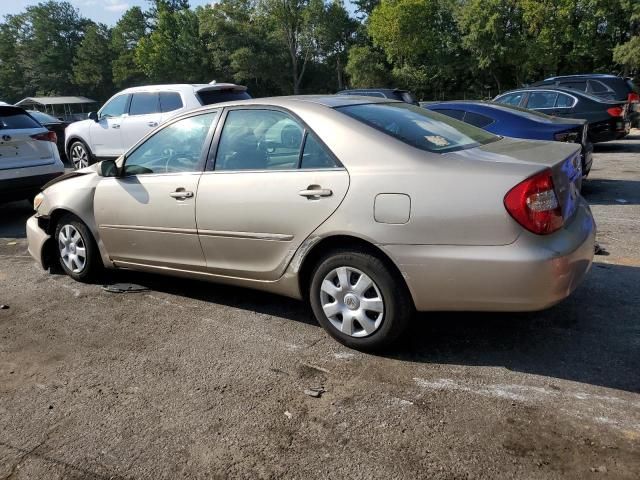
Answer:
(44, 118)
(16, 119)
(419, 127)
(477, 120)
(632, 86)
(208, 97)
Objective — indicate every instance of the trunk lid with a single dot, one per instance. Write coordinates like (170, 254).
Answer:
(563, 159)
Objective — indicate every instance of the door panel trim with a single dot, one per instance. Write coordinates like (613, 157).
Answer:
(142, 228)
(277, 237)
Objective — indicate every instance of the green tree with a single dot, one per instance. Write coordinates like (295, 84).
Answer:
(421, 40)
(49, 35)
(292, 23)
(125, 37)
(12, 85)
(367, 68)
(173, 52)
(335, 33)
(92, 63)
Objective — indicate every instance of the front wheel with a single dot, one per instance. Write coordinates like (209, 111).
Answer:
(76, 249)
(359, 300)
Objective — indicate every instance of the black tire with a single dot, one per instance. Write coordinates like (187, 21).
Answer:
(397, 304)
(92, 264)
(72, 158)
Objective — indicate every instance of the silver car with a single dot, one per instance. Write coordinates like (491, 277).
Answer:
(368, 208)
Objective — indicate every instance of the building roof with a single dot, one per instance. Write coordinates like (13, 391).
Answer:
(54, 100)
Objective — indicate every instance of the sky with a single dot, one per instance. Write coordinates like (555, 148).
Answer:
(103, 11)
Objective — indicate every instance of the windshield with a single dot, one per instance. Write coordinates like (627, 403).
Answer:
(418, 127)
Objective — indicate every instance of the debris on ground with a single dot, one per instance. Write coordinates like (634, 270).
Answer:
(124, 288)
(621, 200)
(4, 307)
(600, 469)
(599, 250)
(288, 414)
(314, 392)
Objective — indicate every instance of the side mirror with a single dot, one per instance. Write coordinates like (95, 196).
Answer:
(94, 116)
(108, 168)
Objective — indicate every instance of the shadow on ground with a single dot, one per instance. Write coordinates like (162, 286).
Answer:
(593, 337)
(611, 192)
(13, 217)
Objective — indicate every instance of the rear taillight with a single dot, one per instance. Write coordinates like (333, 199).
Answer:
(534, 205)
(615, 111)
(46, 137)
(633, 98)
(566, 137)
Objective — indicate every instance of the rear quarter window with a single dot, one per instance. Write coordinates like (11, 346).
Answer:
(15, 119)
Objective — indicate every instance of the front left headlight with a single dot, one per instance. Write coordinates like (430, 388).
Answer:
(37, 201)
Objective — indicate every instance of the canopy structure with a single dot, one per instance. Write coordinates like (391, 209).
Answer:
(67, 107)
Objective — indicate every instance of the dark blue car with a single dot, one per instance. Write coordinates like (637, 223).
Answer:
(509, 121)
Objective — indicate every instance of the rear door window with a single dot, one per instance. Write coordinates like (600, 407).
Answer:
(16, 119)
(542, 99)
(144, 104)
(314, 154)
(564, 101)
(170, 101)
(259, 139)
(477, 120)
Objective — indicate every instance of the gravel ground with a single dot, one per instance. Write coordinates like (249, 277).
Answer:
(195, 380)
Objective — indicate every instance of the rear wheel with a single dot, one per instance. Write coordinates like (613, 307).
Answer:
(79, 155)
(76, 249)
(359, 300)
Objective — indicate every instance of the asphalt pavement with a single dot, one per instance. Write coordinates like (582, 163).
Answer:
(194, 380)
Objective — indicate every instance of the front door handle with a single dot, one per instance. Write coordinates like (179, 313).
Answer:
(181, 194)
(152, 124)
(115, 125)
(315, 193)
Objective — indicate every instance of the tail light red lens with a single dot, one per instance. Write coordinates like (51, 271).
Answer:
(615, 111)
(534, 205)
(46, 137)
(633, 98)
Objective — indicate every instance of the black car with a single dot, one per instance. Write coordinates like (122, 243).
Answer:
(391, 93)
(608, 119)
(52, 124)
(609, 87)
(510, 121)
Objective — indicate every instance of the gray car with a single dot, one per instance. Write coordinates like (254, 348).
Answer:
(368, 208)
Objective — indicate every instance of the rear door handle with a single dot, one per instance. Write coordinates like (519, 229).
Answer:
(181, 194)
(115, 125)
(315, 192)
(152, 124)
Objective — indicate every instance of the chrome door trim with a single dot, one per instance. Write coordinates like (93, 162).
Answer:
(142, 228)
(277, 237)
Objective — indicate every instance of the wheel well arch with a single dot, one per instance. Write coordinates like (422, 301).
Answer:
(342, 242)
(76, 138)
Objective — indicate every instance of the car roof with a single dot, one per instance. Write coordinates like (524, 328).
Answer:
(293, 101)
(554, 88)
(183, 87)
(585, 75)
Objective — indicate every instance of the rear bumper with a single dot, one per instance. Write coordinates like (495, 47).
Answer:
(36, 240)
(533, 273)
